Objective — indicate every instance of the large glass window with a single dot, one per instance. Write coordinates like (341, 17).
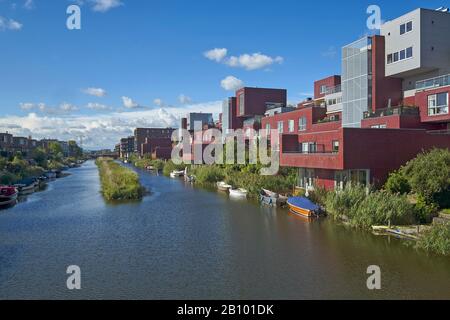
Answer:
(323, 89)
(438, 104)
(302, 124)
(409, 52)
(406, 27)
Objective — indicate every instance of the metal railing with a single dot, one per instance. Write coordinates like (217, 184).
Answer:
(391, 111)
(433, 82)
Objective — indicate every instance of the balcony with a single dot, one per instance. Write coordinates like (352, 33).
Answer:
(333, 90)
(440, 81)
(391, 111)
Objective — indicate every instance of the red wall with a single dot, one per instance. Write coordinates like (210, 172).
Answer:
(383, 88)
(256, 98)
(329, 82)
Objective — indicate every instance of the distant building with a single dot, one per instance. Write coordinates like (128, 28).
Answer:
(142, 135)
(203, 119)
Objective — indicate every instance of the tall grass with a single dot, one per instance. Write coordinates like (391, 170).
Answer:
(118, 183)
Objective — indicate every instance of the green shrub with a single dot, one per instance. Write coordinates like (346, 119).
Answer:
(397, 183)
(436, 240)
(209, 174)
(424, 211)
(169, 166)
(340, 203)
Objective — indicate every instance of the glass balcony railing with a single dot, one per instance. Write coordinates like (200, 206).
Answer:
(433, 82)
(333, 90)
(391, 111)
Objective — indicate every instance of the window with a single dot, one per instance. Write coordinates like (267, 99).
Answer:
(403, 55)
(323, 89)
(309, 147)
(302, 124)
(389, 58)
(242, 104)
(438, 104)
(409, 52)
(406, 27)
(291, 125)
(395, 56)
(335, 146)
(280, 126)
(409, 26)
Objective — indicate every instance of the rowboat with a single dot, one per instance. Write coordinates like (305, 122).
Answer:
(176, 174)
(222, 186)
(8, 196)
(303, 207)
(238, 193)
(270, 198)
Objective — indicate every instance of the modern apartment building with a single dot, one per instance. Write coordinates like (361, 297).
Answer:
(391, 102)
(126, 147)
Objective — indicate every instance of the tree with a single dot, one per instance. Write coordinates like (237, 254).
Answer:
(40, 156)
(54, 148)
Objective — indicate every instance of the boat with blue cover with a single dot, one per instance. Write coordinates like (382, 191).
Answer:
(303, 207)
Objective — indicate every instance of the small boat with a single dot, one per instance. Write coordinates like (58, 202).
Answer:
(8, 195)
(270, 198)
(222, 186)
(176, 174)
(26, 186)
(303, 207)
(238, 193)
(190, 178)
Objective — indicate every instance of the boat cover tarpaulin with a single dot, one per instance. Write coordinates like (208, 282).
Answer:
(303, 203)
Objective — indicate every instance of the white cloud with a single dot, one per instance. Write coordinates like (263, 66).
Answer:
(63, 108)
(29, 4)
(253, 61)
(104, 130)
(217, 54)
(96, 92)
(158, 102)
(183, 99)
(104, 5)
(247, 61)
(9, 24)
(331, 52)
(129, 103)
(231, 83)
(97, 106)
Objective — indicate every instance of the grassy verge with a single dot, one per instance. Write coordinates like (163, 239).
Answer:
(118, 183)
(436, 240)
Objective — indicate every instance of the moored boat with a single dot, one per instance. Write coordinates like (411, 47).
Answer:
(270, 198)
(238, 193)
(303, 206)
(176, 174)
(26, 186)
(8, 196)
(222, 186)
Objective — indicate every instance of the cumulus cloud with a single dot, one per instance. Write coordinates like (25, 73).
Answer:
(129, 103)
(231, 83)
(158, 102)
(105, 5)
(9, 24)
(96, 92)
(183, 99)
(104, 130)
(217, 54)
(246, 61)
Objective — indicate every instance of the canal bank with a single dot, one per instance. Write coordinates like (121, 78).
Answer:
(183, 242)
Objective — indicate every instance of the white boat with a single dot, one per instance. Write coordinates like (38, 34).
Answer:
(270, 198)
(222, 186)
(176, 174)
(238, 193)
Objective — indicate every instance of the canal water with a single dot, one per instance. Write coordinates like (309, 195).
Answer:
(182, 242)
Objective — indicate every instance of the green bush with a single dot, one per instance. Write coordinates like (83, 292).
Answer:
(340, 203)
(424, 211)
(209, 174)
(429, 175)
(397, 183)
(169, 166)
(118, 182)
(436, 240)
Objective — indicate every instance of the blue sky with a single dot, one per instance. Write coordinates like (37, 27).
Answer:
(137, 62)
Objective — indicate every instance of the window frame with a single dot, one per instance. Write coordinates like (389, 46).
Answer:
(435, 109)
